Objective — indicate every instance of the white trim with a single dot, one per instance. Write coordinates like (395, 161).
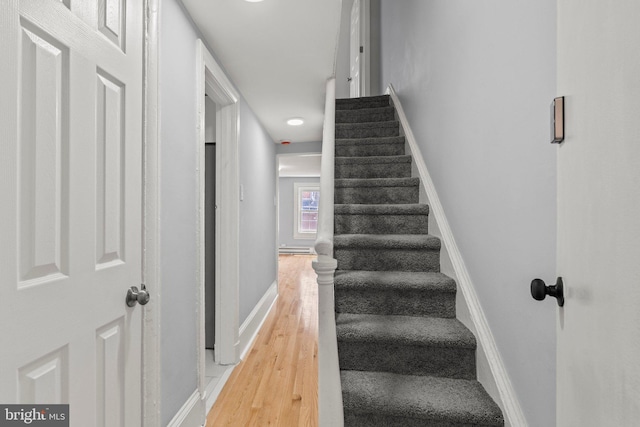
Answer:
(365, 40)
(251, 326)
(212, 394)
(330, 405)
(151, 320)
(190, 413)
(211, 80)
(297, 188)
(291, 250)
(506, 398)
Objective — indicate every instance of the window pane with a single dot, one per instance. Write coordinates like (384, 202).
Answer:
(308, 210)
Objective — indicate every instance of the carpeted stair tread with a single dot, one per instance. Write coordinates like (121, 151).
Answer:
(363, 147)
(377, 182)
(389, 128)
(364, 102)
(382, 209)
(373, 167)
(411, 330)
(407, 280)
(381, 219)
(361, 115)
(410, 345)
(405, 359)
(372, 160)
(395, 293)
(387, 252)
(370, 141)
(387, 399)
(376, 192)
(387, 241)
(367, 130)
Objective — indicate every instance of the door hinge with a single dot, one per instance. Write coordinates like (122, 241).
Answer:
(361, 49)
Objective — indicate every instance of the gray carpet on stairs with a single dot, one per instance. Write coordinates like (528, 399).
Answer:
(362, 147)
(405, 359)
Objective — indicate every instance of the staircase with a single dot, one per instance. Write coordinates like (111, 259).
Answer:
(405, 360)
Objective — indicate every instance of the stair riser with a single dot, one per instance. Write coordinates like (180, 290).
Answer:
(376, 195)
(379, 170)
(354, 132)
(364, 116)
(445, 362)
(356, 105)
(369, 150)
(354, 419)
(381, 224)
(387, 259)
(415, 303)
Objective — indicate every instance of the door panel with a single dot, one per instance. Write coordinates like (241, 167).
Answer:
(598, 374)
(355, 43)
(71, 161)
(43, 157)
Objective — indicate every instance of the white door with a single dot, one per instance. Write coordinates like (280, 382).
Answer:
(354, 51)
(598, 360)
(70, 213)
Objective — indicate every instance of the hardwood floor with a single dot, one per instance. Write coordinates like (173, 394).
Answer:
(277, 383)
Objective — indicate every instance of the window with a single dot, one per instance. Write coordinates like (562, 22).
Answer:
(306, 198)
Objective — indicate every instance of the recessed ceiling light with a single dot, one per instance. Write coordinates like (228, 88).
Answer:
(296, 121)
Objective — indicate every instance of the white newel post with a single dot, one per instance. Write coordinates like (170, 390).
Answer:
(330, 409)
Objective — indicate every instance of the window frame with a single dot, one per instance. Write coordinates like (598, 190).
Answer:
(298, 188)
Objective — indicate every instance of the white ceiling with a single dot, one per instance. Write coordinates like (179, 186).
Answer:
(279, 53)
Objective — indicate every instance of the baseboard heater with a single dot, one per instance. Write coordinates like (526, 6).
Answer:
(296, 250)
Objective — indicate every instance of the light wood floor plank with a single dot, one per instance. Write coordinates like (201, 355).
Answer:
(277, 383)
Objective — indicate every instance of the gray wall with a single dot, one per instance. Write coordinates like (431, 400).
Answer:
(286, 218)
(258, 246)
(300, 148)
(178, 208)
(476, 80)
(178, 213)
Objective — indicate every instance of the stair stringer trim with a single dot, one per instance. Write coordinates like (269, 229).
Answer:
(492, 373)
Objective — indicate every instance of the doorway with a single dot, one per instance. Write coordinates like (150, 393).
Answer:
(359, 49)
(210, 229)
(218, 189)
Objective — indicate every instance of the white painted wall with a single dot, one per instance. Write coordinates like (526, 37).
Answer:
(178, 197)
(476, 80)
(598, 214)
(286, 221)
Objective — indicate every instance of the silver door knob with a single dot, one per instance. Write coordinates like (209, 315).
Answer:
(135, 296)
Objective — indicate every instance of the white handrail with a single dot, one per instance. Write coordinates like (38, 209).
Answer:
(330, 409)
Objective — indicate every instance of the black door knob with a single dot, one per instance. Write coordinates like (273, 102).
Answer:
(539, 290)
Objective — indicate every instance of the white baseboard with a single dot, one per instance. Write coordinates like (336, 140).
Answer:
(191, 414)
(491, 370)
(250, 327)
(213, 391)
(296, 250)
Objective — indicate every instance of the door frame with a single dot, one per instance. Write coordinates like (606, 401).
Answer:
(212, 81)
(151, 322)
